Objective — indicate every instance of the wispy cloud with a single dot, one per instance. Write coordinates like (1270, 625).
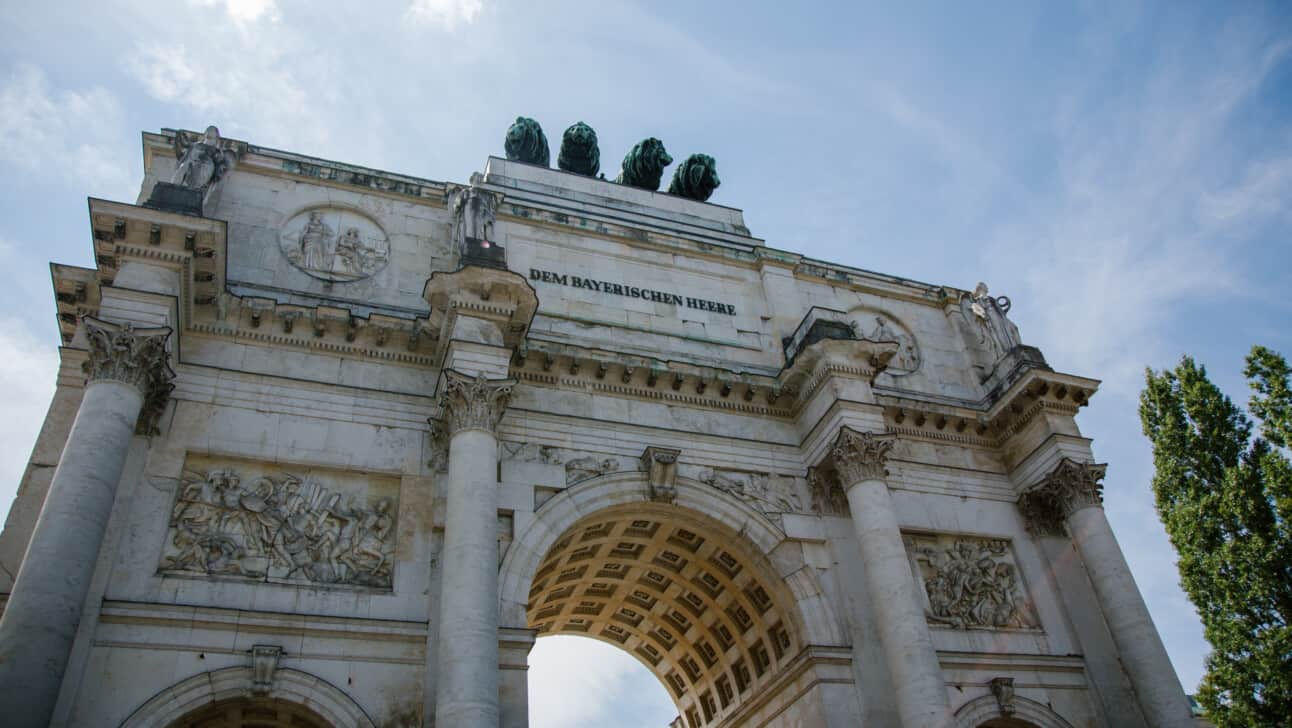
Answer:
(446, 14)
(55, 134)
(244, 11)
(28, 366)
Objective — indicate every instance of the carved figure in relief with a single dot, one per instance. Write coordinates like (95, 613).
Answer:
(998, 333)
(588, 467)
(907, 358)
(752, 488)
(279, 527)
(972, 583)
(334, 244)
(528, 452)
(644, 165)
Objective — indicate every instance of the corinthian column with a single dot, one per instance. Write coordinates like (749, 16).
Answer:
(127, 369)
(466, 694)
(858, 459)
(1072, 494)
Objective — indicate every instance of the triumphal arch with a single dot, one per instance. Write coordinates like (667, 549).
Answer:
(333, 446)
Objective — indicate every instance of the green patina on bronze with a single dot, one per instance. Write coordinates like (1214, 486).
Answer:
(579, 152)
(644, 165)
(526, 142)
(695, 178)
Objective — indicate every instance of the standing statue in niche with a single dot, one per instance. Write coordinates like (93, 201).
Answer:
(696, 178)
(579, 151)
(644, 165)
(203, 162)
(998, 332)
(525, 142)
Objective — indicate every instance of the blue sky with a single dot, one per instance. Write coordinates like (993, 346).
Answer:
(1120, 170)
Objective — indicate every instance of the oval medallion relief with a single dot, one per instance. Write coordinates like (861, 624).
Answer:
(335, 244)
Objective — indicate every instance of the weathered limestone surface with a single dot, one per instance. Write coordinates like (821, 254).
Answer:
(391, 460)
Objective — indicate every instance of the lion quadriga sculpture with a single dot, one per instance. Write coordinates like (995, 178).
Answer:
(526, 142)
(695, 178)
(579, 151)
(644, 165)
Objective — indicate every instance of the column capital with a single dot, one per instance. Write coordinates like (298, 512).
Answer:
(134, 356)
(859, 456)
(473, 403)
(1070, 487)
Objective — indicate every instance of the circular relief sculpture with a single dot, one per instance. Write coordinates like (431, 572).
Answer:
(335, 244)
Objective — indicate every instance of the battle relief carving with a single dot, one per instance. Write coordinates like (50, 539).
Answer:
(335, 244)
(971, 582)
(876, 325)
(262, 522)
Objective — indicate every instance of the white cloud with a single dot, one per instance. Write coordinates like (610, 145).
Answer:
(59, 134)
(28, 367)
(244, 11)
(445, 13)
(577, 682)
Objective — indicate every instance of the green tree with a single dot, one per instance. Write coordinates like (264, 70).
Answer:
(1225, 497)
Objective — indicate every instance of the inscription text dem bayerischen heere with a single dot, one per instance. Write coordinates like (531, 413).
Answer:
(619, 289)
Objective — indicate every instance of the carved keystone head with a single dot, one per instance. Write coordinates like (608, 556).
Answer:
(660, 465)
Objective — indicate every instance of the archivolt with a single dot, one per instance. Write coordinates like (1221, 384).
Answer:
(706, 592)
(208, 688)
(983, 709)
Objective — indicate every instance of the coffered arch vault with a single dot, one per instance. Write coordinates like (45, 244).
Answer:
(704, 591)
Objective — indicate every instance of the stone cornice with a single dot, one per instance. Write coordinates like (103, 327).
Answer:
(473, 403)
(1070, 487)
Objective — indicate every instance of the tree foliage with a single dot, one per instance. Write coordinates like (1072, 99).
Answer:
(1225, 497)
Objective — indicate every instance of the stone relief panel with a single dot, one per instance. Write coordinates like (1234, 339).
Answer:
(586, 467)
(265, 522)
(970, 582)
(769, 494)
(528, 452)
(335, 244)
(878, 325)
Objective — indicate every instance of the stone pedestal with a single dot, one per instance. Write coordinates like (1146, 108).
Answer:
(1072, 494)
(467, 672)
(127, 368)
(857, 459)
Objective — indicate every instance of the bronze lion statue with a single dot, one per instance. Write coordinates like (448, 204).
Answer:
(644, 165)
(526, 142)
(695, 178)
(579, 152)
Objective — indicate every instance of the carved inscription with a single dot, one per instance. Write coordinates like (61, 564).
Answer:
(971, 582)
(257, 521)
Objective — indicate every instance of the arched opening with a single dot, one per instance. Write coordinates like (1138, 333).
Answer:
(1007, 723)
(251, 713)
(687, 596)
(614, 689)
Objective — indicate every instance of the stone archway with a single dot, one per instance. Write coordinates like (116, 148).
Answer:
(705, 592)
(985, 712)
(213, 699)
(251, 713)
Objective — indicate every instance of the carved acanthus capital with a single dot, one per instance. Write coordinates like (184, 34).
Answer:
(860, 456)
(123, 353)
(1071, 487)
(473, 403)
